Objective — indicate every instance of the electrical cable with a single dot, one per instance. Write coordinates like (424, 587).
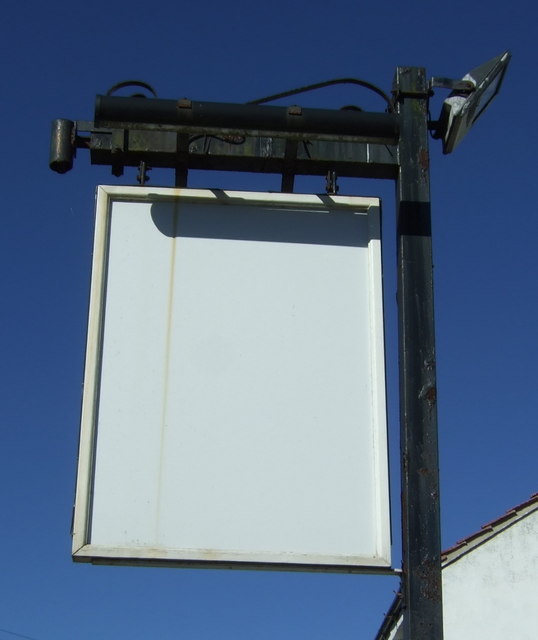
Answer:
(132, 83)
(327, 83)
(18, 635)
(313, 87)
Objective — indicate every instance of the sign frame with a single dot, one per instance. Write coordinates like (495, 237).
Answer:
(84, 548)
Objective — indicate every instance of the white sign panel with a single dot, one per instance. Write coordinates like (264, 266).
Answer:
(234, 395)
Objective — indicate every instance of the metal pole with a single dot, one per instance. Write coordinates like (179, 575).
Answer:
(421, 582)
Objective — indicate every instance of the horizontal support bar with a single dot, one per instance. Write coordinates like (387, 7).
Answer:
(119, 147)
(379, 128)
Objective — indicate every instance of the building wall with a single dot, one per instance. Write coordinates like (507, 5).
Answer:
(492, 591)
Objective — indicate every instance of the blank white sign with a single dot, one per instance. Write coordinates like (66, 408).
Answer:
(234, 407)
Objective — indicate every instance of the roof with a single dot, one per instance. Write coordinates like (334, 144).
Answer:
(489, 530)
(462, 547)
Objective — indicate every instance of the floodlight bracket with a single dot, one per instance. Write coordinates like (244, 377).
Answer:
(464, 106)
(465, 86)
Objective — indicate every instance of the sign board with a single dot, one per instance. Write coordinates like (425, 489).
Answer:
(234, 397)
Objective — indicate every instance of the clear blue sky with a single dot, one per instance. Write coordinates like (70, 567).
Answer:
(55, 59)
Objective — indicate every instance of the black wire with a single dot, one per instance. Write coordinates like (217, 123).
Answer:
(327, 83)
(131, 83)
(18, 635)
(310, 87)
(236, 140)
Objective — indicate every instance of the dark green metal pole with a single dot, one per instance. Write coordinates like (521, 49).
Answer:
(421, 582)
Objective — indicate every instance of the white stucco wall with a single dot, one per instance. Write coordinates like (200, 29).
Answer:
(492, 592)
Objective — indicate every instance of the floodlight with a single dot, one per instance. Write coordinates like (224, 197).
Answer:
(463, 107)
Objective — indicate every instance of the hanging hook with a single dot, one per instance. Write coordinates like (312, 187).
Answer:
(332, 187)
(142, 176)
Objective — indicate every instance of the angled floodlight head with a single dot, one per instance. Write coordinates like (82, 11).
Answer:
(463, 108)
